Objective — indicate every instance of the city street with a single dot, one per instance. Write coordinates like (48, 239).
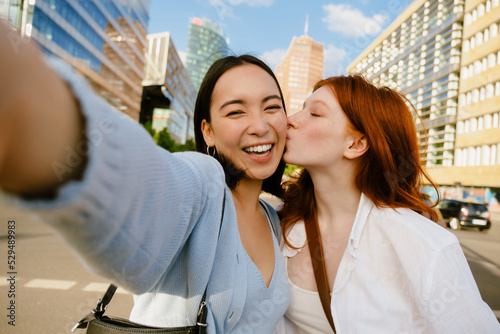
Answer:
(53, 290)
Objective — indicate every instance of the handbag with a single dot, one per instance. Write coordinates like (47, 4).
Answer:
(97, 323)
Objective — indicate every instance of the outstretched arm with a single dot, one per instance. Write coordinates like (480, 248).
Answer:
(127, 206)
(40, 121)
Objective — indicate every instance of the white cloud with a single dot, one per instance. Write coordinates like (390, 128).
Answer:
(251, 3)
(333, 61)
(351, 21)
(225, 8)
(273, 58)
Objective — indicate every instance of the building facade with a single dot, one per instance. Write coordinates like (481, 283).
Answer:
(432, 55)
(299, 71)
(103, 40)
(166, 77)
(206, 44)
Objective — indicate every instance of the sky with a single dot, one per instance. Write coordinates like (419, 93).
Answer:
(265, 28)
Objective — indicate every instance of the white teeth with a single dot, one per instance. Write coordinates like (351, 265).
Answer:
(258, 149)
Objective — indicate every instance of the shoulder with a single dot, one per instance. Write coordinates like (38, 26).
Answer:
(204, 166)
(273, 217)
(407, 224)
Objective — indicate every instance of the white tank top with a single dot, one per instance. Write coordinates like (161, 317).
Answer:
(305, 310)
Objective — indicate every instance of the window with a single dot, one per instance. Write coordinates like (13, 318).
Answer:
(495, 120)
(472, 156)
(485, 158)
(458, 157)
(479, 38)
(473, 124)
(482, 94)
(460, 127)
(478, 156)
(493, 30)
(480, 123)
(467, 126)
(487, 121)
(475, 96)
(493, 156)
(491, 60)
(490, 90)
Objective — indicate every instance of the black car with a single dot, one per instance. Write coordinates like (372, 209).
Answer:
(457, 214)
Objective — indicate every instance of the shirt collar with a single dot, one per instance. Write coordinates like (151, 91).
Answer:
(297, 235)
(364, 208)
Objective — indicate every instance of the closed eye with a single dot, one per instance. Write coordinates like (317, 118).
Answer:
(234, 113)
(273, 107)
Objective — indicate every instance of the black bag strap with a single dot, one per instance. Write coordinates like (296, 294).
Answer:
(102, 304)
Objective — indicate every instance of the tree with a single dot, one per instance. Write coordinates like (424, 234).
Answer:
(164, 140)
(149, 128)
(188, 146)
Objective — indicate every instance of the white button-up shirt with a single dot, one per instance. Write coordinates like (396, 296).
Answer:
(401, 273)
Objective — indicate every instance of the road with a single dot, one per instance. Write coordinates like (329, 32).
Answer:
(53, 290)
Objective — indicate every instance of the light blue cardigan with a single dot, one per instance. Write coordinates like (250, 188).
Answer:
(148, 220)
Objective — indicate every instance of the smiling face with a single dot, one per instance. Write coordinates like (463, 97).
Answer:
(248, 122)
(320, 134)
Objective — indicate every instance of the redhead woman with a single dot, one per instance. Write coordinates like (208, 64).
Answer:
(388, 268)
(167, 227)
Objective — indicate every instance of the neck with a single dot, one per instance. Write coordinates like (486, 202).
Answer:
(246, 195)
(337, 197)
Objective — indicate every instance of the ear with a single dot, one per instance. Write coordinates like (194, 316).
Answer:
(206, 129)
(357, 146)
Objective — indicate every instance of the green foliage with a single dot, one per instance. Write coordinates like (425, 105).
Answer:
(187, 146)
(290, 169)
(163, 139)
(149, 128)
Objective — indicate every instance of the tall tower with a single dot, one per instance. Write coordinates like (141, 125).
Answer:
(300, 70)
(103, 40)
(206, 44)
(168, 96)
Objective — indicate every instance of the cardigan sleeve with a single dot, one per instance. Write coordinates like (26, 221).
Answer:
(134, 209)
(453, 303)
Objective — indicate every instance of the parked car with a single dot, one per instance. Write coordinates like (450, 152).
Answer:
(457, 214)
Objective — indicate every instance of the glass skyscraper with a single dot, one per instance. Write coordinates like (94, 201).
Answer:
(206, 44)
(104, 40)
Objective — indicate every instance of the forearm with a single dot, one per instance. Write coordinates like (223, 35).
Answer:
(40, 122)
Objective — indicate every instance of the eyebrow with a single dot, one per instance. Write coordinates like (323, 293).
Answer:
(225, 104)
(264, 100)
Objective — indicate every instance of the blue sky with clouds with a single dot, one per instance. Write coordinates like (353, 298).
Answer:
(265, 28)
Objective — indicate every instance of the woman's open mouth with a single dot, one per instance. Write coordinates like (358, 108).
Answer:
(259, 151)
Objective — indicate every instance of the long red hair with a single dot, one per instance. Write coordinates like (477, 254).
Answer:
(389, 173)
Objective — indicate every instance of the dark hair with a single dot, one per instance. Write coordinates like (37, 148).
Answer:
(272, 184)
(389, 173)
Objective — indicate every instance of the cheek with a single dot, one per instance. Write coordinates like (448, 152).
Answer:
(280, 125)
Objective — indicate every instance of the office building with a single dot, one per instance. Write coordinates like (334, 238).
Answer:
(206, 44)
(437, 54)
(169, 95)
(103, 40)
(477, 146)
(299, 71)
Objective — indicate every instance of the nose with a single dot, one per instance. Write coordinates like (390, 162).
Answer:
(259, 126)
(291, 121)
